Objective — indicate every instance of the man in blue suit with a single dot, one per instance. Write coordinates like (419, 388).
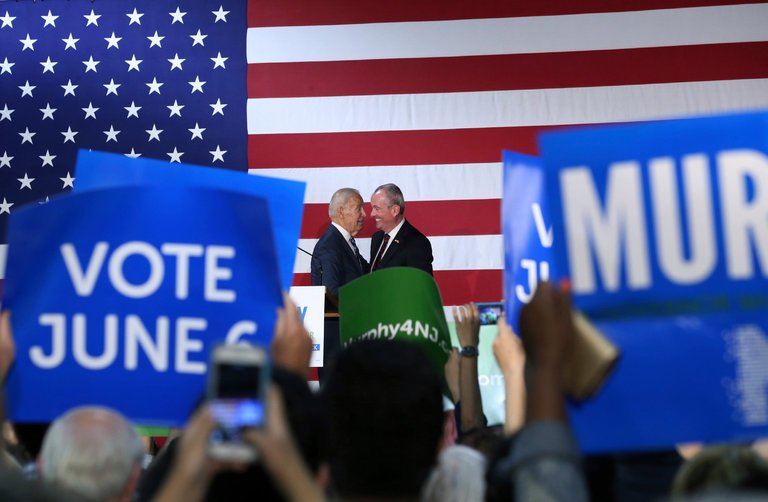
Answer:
(336, 259)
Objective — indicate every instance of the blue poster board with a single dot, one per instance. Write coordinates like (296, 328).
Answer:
(663, 230)
(527, 232)
(285, 198)
(118, 296)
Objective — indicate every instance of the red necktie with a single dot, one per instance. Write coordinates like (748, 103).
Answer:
(382, 248)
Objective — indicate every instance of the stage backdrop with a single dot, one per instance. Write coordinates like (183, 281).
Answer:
(424, 94)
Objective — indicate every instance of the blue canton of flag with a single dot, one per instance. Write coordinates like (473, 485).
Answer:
(143, 78)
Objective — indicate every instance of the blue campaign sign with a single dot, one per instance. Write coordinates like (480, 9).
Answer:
(663, 230)
(118, 296)
(285, 198)
(527, 230)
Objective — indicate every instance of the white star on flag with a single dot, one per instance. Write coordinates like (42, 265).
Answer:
(26, 89)
(177, 16)
(133, 110)
(113, 41)
(5, 66)
(198, 38)
(71, 43)
(175, 155)
(69, 88)
(26, 182)
(93, 19)
(5, 113)
(111, 134)
(26, 136)
(154, 86)
(111, 87)
(219, 61)
(7, 20)
(218, 154)
(155, 40)
(218, 107)
(29, 43)
(68, 181)
(133, 63)
(197, 131)
(197, 84)
(50, 19)
(154, 133)
(90, 65)
(5, 160)
(175, 108)
(47, 159)
(221, 14)
(69, 134)
(48, 111)
(176, 62)
(5, 207)
(48, 65)
(135, 17)
(90, 111)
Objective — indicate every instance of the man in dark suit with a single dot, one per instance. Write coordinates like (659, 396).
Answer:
(336, 259)
(397, 243)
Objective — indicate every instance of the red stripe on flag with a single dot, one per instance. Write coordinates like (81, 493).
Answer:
(509, 72)
(457, 287)
(385, 148)
(445, 217)
(312, 12)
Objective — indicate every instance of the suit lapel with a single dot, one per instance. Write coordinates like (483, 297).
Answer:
(348, 249)
(394, 245)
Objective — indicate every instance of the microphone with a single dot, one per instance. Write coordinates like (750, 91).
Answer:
(319, 263)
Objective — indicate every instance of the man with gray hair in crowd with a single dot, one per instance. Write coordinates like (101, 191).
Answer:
(336, 259)
(92, 452)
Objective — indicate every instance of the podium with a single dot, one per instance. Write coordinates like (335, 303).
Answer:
(332, 343)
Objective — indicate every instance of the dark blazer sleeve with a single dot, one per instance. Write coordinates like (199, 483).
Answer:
(328, 273)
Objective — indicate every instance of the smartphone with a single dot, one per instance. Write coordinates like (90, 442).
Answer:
(237, 384)
(490, 312)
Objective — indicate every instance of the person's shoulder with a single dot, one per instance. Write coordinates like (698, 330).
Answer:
(327, 240)
(412, 231)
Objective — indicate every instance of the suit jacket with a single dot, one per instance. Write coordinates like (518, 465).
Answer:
(334, 263)
(409, 248)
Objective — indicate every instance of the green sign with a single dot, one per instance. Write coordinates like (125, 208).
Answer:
(398, 303)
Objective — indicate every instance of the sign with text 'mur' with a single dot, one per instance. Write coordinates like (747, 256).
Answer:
(119, 295)
(663, 230)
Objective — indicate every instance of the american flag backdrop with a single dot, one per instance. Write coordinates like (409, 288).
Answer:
(422, 93)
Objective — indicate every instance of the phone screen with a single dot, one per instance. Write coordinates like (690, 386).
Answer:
(237, 401)
(490, 313)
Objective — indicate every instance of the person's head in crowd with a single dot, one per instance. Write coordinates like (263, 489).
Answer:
(387, 206)
(385, 420)
(305, 420)
(93, 452)
(459, 476)
(346, 209)
(727, 468)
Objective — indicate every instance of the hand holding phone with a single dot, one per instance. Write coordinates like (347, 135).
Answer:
(237, 384)
(490, 312)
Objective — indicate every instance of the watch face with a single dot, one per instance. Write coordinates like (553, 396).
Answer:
(469, 351)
